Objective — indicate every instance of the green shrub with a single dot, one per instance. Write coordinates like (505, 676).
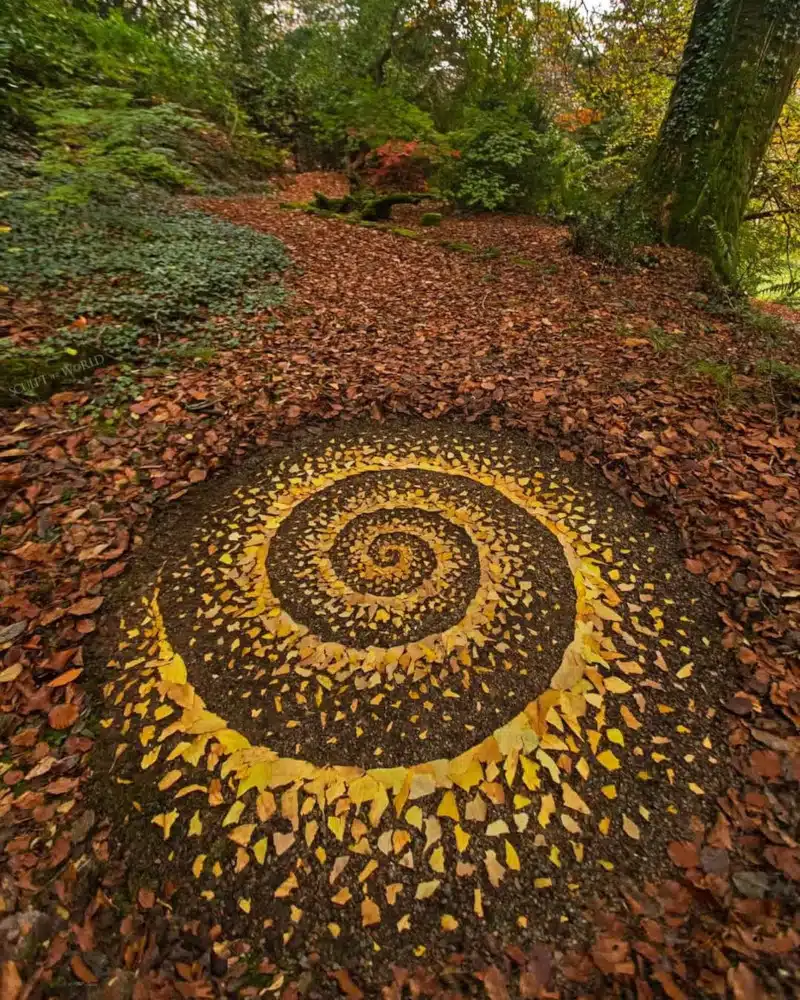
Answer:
(51, 43)
(504, 164)
(431, 219)
(611, 236)
(154, 281)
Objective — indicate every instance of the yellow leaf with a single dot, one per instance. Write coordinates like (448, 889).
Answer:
(542, 883)
(512, 858)
(608, 760)
(169, 779)
(336, 824)
(616, 685)
(414, 817)
(573, 801)
(370, 912)
(448, 807)
(287, 887)
(195, 825)
(546, 811)
(436, 859)
(630, 828)
(241, 834)
(233, 814)
(615, 736)
(197, 865)
(342, 896)
(165, 821)
(448, 923)
(462, 838)
(260, 850)
(426, 889)
(244, 905)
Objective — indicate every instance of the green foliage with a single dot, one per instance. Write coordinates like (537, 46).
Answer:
(612, 235)
(153, 280)
(361, 113)
(51, 43)
(166, 267)
(504, 164)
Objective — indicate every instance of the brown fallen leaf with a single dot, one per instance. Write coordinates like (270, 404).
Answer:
(85, 606)
(684, 853)
(346, 984)
(82, 970)
(62, 716)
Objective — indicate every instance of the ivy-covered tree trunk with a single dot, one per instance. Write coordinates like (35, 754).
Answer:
(739, 66)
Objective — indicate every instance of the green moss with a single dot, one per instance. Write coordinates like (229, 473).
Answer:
(410, 234)
(458, 246)
(431, 219)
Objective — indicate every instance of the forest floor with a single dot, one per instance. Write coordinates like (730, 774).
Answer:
(633, 382)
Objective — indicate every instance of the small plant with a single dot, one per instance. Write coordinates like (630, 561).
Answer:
(431, 219)
(660, 339)
(611, 237)
(458, 246)
(132, 283)
(719, 372)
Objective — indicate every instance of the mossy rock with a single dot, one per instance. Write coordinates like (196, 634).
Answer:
(431, 219)
(410, 234)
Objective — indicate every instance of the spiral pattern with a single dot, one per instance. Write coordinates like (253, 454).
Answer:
(386, 632)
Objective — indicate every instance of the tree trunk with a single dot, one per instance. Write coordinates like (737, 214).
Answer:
(739, 66)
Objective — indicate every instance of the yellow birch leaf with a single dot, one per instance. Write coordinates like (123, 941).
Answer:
(427, 889)
(546, 811)
(370, 912)
(512, 858)
(630, 828)
(241, 834)
(573, 801)
(165, 821)
(448, 807)
(169, 780)
(608, 760)
(233, 814)
(260, 850)
(287, 887)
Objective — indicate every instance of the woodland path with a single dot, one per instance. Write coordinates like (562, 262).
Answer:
(502, 328)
